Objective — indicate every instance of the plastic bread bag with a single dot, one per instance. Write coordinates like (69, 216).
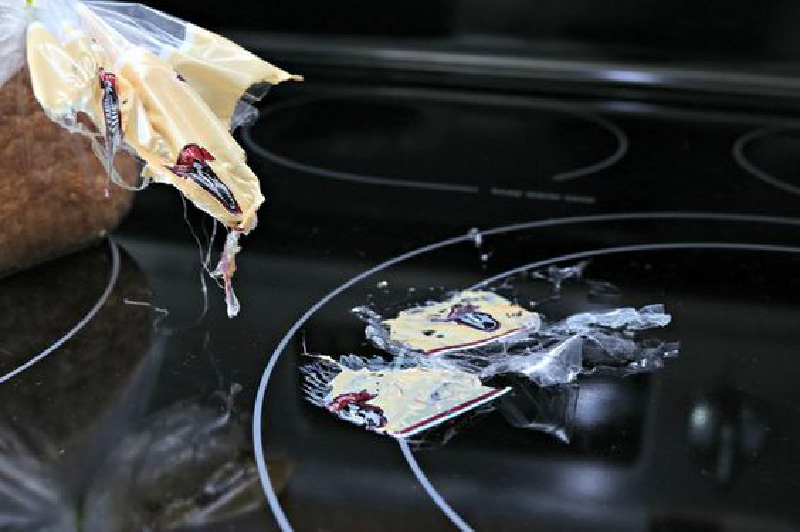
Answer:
(53, 196)
(133, 80)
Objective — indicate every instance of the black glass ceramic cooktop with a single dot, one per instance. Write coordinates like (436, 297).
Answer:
(127, 404)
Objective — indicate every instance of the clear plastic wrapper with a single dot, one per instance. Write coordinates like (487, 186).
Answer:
(400, 401)
(483, 333)
(134, 83)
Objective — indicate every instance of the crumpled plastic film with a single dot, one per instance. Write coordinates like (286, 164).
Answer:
(476, 341)
(588, 342)
(133, 79)
(608, 353)
(558, 363)
(622, 318)
(397, 401)
(546, 353)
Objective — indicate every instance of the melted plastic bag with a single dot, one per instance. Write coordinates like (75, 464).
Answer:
(400, 401)
(471, 340)
(483, 333)
(131, 79)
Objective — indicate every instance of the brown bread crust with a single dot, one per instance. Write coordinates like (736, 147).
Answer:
(52, 187)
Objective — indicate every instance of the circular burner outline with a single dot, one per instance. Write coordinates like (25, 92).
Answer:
(258, 448)
(112, 282)
(621, 137)
(740, 157)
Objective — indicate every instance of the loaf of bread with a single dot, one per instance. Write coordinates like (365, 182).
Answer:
(55, 196)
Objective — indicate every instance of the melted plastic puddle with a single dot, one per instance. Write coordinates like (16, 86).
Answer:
(454, 356)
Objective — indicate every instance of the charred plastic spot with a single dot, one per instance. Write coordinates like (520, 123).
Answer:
(193, 164)
(354, 408)
(469, 315)
(111, 115)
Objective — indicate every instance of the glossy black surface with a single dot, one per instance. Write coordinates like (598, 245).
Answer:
(635, 454)
(356, 175)
(734, 31)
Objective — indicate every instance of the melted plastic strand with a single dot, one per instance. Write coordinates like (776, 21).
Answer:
(210, 239)
(225, 270)
(162, 312)
(204, 261)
